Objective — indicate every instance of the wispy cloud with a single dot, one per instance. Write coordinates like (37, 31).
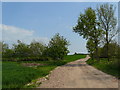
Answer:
(11, 34)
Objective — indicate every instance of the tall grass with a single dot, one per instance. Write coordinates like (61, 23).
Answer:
(111, 67)
(16, 76)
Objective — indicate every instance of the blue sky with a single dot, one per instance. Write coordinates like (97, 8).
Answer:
(40, 21)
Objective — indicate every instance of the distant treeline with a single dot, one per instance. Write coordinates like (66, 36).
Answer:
(80, 53)
(56, 49)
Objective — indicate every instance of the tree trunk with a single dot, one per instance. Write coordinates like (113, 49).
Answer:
(96, 44)
(107, 48)
(108, 51)
(96, 49)
(92, 56)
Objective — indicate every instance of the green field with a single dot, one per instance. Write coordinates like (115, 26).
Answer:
(0, 74)
(15, 75)
(111, 67)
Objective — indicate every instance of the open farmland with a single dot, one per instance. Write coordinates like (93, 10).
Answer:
(16, 75)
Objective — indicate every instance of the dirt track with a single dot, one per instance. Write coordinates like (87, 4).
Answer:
(78, 74)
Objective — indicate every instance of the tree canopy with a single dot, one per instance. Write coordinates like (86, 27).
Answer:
(57, 47)
(88, 27)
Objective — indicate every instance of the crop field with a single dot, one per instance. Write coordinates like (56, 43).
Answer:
(17, 75)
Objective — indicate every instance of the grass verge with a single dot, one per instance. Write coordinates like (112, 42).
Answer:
(15, 75)
(111, 67)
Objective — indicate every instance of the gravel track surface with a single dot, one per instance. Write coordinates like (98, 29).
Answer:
(78, 74)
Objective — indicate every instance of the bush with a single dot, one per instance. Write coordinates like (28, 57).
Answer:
(28, 59)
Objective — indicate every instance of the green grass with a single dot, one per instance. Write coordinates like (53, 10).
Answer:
(0, 74)
(14, 75)
(111, 67)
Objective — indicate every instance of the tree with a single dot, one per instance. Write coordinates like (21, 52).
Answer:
(88, 27)
(0, 50)
(37, 48)
(21, 49)
(90, 47)
(108, 23)
(113, 50)
(4, 47)
(6, 51)
(57, 47)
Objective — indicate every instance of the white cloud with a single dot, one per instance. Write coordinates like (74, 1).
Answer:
(10, 34)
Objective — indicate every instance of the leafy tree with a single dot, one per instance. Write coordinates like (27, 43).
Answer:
(37, 48)
(4, 47)
(88, 27)
(21, 50)
(108, 22)
(113, 50)
(90, 47)
(57, 47)
(1, 46)
(8, 54)
(6, 51)
(0, 49)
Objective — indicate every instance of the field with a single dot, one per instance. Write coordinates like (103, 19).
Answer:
(0, 74)
(111, 67)
(16, 75)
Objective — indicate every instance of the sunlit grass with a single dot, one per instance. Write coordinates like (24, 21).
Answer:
(111, 67)
(15, 75)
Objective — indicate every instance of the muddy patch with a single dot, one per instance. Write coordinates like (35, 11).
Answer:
(33, 64)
